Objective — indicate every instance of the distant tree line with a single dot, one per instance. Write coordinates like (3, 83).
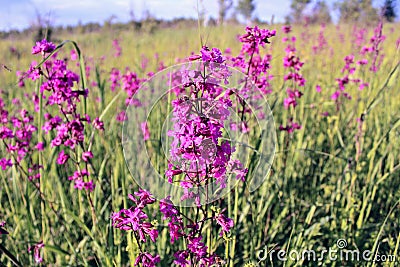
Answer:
(358, 11)
(309, 11)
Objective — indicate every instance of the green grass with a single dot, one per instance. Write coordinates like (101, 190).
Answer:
(323, 185)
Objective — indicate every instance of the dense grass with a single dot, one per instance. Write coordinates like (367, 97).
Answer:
(332, 179)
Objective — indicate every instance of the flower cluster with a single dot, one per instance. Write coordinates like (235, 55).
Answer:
(145, 130)
(198, 156)
(348, 71)
(17, 134)
(351, 63)
(196, 250)
(374, 48)
(294, 65)
(254, 38)
(359, 37)
(70, 128)
(197, 151)
(117, 48)
(115, 77)
(36, 251)
(79, 178)
(290, 127)
(144, 63)
(322, 43)
(134, 219)
(252, 63)
(43, 47)
(67, 128)
(130, 83)
(255, 65)
(73, 55)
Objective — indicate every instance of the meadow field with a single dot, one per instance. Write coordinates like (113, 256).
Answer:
(333, 188)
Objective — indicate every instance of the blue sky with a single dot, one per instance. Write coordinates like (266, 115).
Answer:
(19, 14)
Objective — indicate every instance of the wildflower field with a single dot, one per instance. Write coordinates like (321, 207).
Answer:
(210, 146)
